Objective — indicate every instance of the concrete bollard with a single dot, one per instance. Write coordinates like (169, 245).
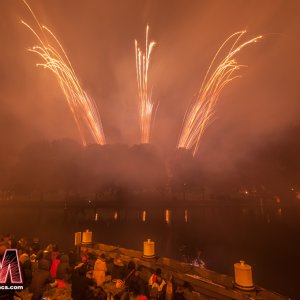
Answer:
(77, 238)
(87, 237)
(243, 276)
(149, 249)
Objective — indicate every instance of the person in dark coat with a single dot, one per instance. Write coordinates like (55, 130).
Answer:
(64, 270)
(95, 292)
(130, 269)
(179, 294)
(118, 271)
(35, 246)
(136, 284)
(40, 279)
(80, 283)
(44, 254)
(26, 267)
(73, 258)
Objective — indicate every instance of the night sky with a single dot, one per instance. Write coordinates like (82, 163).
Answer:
(256, 112)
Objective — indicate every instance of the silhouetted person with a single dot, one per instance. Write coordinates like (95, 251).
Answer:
(26, 267)
(80, 283)
(136, 285)
(64, 270)
(179, 294)
(129, 270)
(94, 292)
(40, 279)
(118, 271)
(35, 246)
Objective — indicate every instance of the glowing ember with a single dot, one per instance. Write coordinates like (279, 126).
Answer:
(199, 115)
(146, 105)
(83, 108)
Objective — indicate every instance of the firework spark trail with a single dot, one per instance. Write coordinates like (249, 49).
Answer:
(199, 115)
(146, 104)
(83, 108)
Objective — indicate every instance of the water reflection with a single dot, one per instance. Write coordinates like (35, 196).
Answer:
(186, 216)
(116, 216)
(167, 216)
(174, 216)
(144, 216)
(261, 204)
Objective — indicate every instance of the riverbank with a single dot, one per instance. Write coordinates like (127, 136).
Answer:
(197, 283)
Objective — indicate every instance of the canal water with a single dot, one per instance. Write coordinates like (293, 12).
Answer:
(267, 239)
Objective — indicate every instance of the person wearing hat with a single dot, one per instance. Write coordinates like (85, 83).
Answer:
(99, 270)
(118, 271)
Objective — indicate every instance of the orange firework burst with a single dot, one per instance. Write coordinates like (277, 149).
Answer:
(199, 115)
(83, 108)
(146, 104)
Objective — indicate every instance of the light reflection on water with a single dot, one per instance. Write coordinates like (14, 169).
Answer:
(141, 215)
(144, 216)
(116, 215)
(169, 215)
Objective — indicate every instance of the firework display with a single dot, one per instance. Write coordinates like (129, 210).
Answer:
(146, 104)
(54, 57)
(199, 115)
(222, 70)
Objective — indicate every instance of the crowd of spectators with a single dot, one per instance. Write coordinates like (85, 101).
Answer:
(87, 276)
